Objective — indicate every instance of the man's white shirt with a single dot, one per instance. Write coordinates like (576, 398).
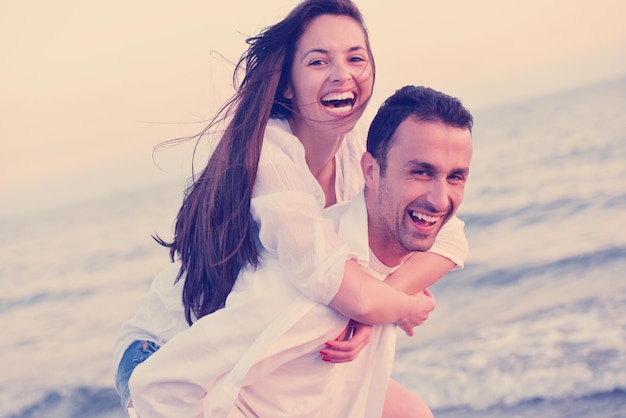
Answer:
(260, 353)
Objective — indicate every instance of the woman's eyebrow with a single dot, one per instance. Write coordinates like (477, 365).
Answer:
(325, 51)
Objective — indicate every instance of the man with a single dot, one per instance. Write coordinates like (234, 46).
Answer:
(259, 355)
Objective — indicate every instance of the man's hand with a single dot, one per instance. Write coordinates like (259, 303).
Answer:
(347, 346)
(424, 305)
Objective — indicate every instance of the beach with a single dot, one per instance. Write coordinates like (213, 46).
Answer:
(534, 326)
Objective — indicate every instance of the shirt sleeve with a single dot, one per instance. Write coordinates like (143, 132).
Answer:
(201, 369)
(174, 381)
(159, 316)
(287, 205)
(452, 243)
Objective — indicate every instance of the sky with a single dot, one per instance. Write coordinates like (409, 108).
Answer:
(87, 89)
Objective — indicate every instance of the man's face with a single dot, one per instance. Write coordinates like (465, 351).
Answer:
(421, 189)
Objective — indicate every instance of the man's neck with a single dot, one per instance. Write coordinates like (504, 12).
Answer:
(391, 263)
(388, 254)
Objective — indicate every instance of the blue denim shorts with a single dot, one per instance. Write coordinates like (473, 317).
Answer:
(135, 354)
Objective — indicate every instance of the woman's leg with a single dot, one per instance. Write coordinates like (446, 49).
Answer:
(402, 403)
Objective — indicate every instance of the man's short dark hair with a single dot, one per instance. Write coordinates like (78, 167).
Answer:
(420, 103)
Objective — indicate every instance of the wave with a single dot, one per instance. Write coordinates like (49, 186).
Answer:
(535, 213)
(75, 403)
(615, 202)
(545, 360)
(557, 209)
(610, 404)
(104, 403)
(41, 297)
(562, 267)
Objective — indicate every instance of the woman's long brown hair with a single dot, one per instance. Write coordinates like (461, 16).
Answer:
(215, 236)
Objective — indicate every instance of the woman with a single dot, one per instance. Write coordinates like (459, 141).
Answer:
(290, 148)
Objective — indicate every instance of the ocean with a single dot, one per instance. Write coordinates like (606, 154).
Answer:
(534, 326)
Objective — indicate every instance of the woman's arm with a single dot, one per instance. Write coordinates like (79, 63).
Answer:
(419, 272)
(174, 380)
(368, 300)
(360, 298)
(423, 269)
(426, 269)
(158, 317)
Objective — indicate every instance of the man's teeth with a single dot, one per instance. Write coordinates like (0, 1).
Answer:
(423, 217)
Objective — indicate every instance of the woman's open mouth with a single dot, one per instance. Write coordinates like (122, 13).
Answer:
(339, 102)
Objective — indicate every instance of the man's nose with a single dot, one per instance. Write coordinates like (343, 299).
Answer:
(438, 195)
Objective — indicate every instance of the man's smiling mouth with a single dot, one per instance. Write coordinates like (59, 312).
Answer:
(422, 218)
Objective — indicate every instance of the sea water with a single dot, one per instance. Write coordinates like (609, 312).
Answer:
(534, 326)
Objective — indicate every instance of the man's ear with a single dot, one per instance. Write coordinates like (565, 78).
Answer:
(371, 170)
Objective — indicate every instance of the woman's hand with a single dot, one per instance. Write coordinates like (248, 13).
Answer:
(424, 305)
(349, 344)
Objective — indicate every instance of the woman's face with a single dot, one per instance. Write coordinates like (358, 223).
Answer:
(332, 74)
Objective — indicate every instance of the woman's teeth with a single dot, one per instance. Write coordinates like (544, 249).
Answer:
(339, 102)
